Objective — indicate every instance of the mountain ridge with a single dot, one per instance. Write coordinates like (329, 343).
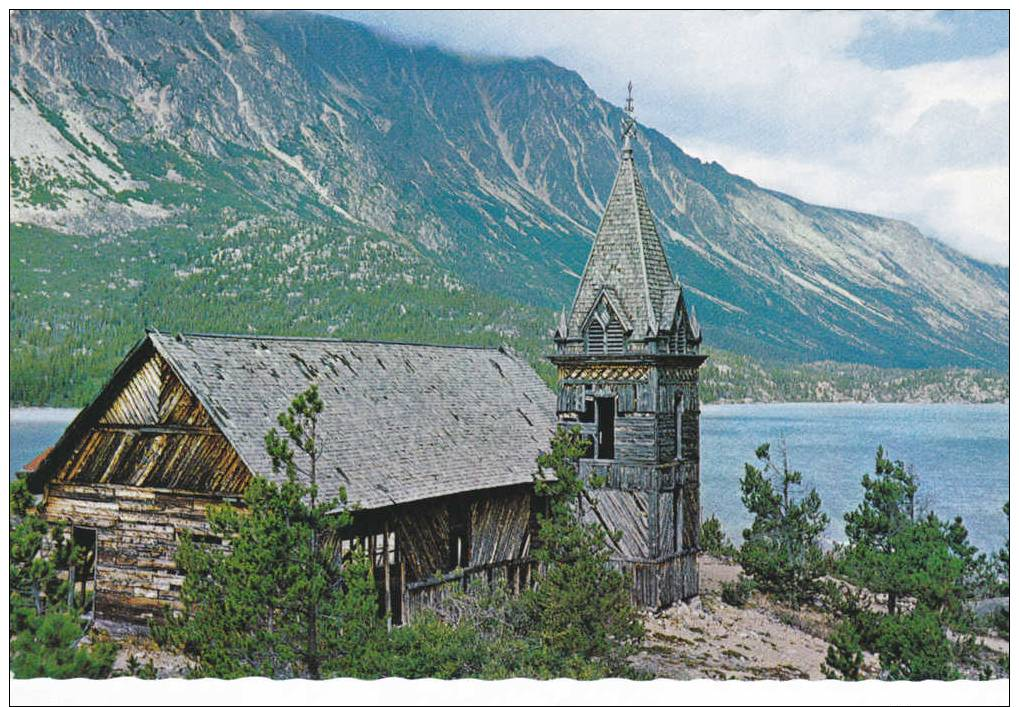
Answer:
(126, 124)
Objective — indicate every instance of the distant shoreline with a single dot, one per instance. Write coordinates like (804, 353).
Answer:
(725, 402)
(48, 414)
(42, 414)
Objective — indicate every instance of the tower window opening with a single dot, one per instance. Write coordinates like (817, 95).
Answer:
(606, 414)
(459, 539)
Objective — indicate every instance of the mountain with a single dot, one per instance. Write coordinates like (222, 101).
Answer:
(241, 171)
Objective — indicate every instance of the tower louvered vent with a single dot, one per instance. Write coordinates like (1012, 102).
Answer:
(614, 337)
(595, 337)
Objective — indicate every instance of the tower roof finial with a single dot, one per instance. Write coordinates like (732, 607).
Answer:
(629, 123)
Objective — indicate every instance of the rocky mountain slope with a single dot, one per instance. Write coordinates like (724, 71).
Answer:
(154, 135)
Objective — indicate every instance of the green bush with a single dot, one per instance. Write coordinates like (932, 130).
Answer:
(46, 629)
(714, 540)
(913, 646)
(844, 660)
(737, 593)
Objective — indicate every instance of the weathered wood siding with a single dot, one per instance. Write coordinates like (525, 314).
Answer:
(137, 532)
(636, 437)
(423, 535)
(625, 512)
(156, 434)
(500, 528)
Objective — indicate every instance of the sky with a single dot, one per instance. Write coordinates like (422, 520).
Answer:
(901, 114)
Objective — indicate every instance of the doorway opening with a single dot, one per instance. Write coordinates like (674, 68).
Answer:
(82, 577)
(606, 414)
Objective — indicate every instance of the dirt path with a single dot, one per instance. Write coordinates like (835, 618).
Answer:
(710, 639)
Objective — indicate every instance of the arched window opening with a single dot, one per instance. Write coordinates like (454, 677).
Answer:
(605, 333)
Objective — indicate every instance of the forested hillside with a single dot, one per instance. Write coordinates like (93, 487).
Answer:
(291, 173)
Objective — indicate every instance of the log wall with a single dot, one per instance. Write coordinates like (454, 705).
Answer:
(137, 532)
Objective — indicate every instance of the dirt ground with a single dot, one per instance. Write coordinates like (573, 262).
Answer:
(710, 639)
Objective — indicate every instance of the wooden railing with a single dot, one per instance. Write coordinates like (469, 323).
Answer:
(431, 591)
(627, 476)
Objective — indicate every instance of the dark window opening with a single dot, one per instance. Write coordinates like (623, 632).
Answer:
(588, 414)
(606, 428)
(459, 541)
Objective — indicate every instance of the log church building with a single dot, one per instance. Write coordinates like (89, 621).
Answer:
(435, 445)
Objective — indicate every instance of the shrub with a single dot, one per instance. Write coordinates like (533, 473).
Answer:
(714, 540)
(737, 593)
(844, 660)
(913, 646)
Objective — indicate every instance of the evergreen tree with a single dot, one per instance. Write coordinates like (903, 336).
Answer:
(584, 623)
(913, 646)
(888, 508)
(1001, 562)
(256, 608)
(46, 624)
(844, 660)
(893, 552)
(714, 540)
(781, 549)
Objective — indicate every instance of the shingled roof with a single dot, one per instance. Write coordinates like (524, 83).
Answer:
(401, 422)
(627, 257)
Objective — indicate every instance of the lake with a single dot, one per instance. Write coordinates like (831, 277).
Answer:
(960, 453)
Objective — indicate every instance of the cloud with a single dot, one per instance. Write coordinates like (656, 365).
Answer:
(782, 98)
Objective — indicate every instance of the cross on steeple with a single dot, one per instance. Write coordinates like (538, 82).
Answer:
(629, 123)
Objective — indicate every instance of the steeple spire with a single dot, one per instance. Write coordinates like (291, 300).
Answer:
(629, 123)
(627, 258)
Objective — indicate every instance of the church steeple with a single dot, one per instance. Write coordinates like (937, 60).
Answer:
(627, 357)
(627, 265)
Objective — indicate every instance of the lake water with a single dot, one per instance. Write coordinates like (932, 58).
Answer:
(959, 451)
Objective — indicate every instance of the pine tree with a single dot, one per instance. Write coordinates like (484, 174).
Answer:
(256, 607)
(46, 625)
(781, 549)
(874, 529)
(913, 646)
(894, 552)
(714, 540)
(844, 660)
(583, 620)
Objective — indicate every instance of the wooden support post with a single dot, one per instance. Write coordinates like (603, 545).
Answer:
(385, 564)
(70, 586)
(404, 607)
(402, 578)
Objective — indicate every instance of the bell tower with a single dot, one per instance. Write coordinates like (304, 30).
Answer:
(628, 358)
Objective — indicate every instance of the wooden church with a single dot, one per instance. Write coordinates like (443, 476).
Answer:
(435, 445)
